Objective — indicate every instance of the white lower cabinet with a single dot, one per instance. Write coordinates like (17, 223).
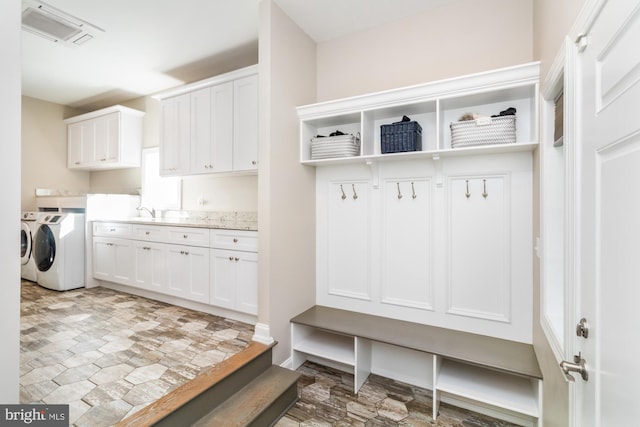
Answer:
(216, 267)
(188, 272)
(149, 266)
(234, 280)
(112, 259)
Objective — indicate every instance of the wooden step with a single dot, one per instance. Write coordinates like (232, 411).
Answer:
(260, 403)
(190, 402)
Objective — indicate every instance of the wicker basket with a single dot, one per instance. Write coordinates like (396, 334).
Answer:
(330, 147)
(484, 131)
(400, 137)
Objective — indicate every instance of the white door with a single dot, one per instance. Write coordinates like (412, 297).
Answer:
(608, 160)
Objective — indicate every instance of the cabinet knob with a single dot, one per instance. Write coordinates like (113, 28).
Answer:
(253, 162)
(230, 258)
(112, 230)
(147, 233)
(77, 163)
(103, 160)
(185, 235)
(237, 259)
(235, 240)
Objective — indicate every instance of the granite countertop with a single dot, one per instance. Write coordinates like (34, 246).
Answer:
(217, 223)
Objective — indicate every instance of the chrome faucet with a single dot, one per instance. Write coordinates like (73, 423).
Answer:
(151, 211)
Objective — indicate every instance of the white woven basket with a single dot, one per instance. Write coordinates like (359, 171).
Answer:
(483, 131)
(335, 146)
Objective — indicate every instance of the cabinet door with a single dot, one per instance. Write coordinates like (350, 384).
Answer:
(345, 240)
(406, 276)
(188, 272)
(246, 282)
(102, 258)
(107, 139)
(223, 278)
(149, 266)
(212, 129)
(74, 145)
(245, 132)
(112, 260)
(175, 135)
(122, 261)
(81, 144)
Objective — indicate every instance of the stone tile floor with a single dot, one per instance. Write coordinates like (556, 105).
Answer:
(108, 354)
(327, 400)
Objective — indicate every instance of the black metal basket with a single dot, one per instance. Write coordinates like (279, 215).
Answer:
(401, 136)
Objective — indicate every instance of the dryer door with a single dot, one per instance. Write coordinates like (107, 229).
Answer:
(25, 243)
(44, 248)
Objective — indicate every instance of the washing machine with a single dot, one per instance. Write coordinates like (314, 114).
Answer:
(58, 250)
(28, 226)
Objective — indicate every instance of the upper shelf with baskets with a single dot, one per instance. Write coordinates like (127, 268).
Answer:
(434, 106)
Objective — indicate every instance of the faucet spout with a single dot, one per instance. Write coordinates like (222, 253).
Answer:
(151, 211)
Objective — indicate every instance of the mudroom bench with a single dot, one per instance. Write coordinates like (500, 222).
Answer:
(494, 376)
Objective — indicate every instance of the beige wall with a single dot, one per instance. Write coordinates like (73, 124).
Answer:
(44, 151)
(463, 37)
(286, 207)
(552, 21)
(44, 163)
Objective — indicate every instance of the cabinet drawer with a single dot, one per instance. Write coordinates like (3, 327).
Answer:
(235, 239)
(189, 236)
(150, 233)
(111, 229)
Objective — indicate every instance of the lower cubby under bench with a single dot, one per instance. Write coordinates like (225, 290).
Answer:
(494, 376)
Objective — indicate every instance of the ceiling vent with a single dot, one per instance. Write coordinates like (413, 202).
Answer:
(55, 25)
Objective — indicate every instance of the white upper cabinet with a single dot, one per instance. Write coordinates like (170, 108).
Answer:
(211, 126)
(174, 136)
(110, 138)
(245, 124)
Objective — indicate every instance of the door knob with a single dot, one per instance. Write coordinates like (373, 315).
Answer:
(578, 365)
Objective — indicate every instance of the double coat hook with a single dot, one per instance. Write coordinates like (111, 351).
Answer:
(413, 191)
(484, 189)
(344, 196)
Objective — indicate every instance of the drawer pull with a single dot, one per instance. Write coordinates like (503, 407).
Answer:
(146, 248)
(147, 232)
(185, 235)
(112, 229)
(184, 252)
(235, 240)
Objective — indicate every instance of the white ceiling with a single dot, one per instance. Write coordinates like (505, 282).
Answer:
(152, 45)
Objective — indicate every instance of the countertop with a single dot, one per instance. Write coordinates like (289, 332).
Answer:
(226, 224)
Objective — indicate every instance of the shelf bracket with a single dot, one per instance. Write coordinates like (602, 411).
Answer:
(375, 176)
(437, 164)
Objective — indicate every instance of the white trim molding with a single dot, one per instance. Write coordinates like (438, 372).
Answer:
(262, 334)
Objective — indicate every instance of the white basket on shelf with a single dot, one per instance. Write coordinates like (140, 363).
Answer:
(330, 147)
(483, 131)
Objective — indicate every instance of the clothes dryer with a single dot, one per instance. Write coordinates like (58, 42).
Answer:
(28, 228)
(59, 250)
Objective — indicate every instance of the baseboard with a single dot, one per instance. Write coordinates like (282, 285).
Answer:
(262, 334)
(287, 364)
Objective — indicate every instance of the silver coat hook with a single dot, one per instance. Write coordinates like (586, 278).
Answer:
(399, 193)
(484, 192)
(413, 190)
(355, 195)
(467, 193)
(344, 196)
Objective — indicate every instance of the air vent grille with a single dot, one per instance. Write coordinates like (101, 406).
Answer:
(36, 20)
(55, 25)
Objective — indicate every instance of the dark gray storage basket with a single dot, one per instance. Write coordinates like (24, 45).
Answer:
(401, 136)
